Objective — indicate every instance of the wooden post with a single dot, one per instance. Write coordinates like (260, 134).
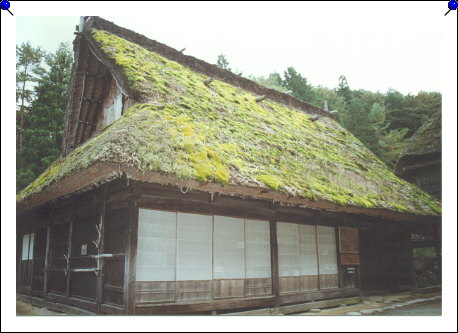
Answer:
(359, 283)
(31, 261)
(438, 250)
(18, 259)
(69, 255)
(407, 246)
(260, 98)
(131, 254)
(274, 263)
(101, 262)
(339, 267)
(317, 257)
(45, 277)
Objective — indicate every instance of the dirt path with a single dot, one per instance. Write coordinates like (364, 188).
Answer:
(26, 309)
(433, 308)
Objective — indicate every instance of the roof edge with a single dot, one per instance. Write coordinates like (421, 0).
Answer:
(103, 172)
(96, 22)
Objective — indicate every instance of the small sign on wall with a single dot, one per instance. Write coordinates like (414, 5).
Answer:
(84, 249)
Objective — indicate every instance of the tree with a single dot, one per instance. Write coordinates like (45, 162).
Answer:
(273, 81)
(222, 62)
(45, 122)
(28, 70)
(321, 94)
(392, 143)
(297, 85)
(343, 89)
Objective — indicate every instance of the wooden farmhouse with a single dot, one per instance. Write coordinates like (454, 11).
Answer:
(421, 161)
(185, 188)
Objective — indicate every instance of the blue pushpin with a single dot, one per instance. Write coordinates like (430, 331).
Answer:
(5, 5)
(452, 5)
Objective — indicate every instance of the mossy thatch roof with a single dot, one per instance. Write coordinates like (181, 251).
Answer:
(427, 139)
(183, 128)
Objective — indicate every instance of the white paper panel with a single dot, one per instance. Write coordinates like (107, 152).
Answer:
(109, 114)
(156, 246)
(31, 245)
(327, 250)
(229, 252)
(257, 249)
(117, 106)
(288, 249)
(194, 247)
(307, 250)
(25, 247)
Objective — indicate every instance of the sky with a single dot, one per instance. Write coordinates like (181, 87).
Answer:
(376, 47)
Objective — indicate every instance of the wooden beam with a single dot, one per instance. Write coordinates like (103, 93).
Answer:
(130, 259)
(186, 308)
(45, 277)
(69, 255)
(339, 267)
(411, 260)
(274, 262)
(438, 250)
(317, 257)
(101, 262)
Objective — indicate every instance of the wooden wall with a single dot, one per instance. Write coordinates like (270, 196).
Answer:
(69, 229)
(65, 268)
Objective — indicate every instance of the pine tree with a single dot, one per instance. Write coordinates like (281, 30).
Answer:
(28, 70)
(297, 85)
(222, 62)
(45, 122)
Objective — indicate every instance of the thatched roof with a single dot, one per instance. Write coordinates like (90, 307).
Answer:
(424, 146)
(218, 138)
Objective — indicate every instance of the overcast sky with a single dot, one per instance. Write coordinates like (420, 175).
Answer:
(375, 46)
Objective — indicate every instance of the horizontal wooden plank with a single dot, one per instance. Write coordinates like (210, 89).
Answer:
(55, 306)
(320, 305)
(111, 309)
(117, 289)
(320, 295)
(183, 308)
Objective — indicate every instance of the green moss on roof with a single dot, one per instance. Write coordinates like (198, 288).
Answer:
(221, 134)
(427, 139)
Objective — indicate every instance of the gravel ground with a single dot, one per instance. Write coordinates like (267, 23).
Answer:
(433, 308)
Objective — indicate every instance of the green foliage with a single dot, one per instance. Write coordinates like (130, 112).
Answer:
(273, 81)
(44, 124)
(28, 70)
(222, 62)
(221, 134)
(297, 85)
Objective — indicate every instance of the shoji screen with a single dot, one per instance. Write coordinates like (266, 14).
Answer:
(308, 257)
(257, 258)
(156, 246)
(186, 257)
(297, 257)
(194, 257)
(257, 249)
(194, 247)
(327, 256)
(25, 247)
(288, 249)
(229, 235)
